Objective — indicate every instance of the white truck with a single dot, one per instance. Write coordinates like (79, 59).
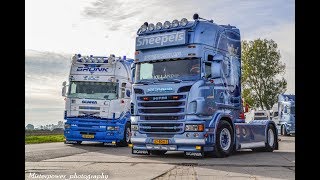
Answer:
(97, 103)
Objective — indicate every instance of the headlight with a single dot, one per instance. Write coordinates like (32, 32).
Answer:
(166, 24)
(192, 107)
(194, 127)
(151, 27)
(143, 28)
(134, 127)
(183, 22)
(159, 25)
(175, 23)
(66, 126)
(134, 119)
(113, 128)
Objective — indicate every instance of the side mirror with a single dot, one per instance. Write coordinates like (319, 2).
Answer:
(216, 69)
(64, 88)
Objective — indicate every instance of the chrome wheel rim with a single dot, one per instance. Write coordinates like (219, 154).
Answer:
(225, 139)
(270, 137)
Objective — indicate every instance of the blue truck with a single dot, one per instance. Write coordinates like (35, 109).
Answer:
(97, 100)
(286, 114)
(187, 92)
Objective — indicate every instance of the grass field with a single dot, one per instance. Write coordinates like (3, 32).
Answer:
(31, 139)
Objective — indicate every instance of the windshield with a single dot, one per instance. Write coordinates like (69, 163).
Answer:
(187, 69)
(93, 90)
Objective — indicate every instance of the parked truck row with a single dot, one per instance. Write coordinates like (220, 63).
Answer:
(181, 92)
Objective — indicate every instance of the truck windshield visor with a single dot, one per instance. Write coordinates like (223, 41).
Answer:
(185, 69)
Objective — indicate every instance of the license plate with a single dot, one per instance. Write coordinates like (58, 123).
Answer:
(161, 141)
(89, 136)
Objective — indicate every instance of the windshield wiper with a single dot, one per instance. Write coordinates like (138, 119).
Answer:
(170, 80)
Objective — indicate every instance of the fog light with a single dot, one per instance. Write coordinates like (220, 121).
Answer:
(198, 147)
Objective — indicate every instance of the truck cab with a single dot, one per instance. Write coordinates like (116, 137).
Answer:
(187, 91)
(97, 100)
(286, 114)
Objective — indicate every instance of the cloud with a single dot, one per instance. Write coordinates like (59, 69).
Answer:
(45, 72)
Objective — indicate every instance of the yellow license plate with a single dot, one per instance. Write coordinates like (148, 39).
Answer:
(89, 136)
(161, 141)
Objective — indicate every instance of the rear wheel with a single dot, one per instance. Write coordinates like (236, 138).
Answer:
(271, 140)
(153, 152)
(224, 140)
(126, 136)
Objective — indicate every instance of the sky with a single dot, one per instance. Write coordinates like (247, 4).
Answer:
(56, 29)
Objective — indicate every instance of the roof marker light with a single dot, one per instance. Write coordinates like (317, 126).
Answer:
(143, 28)
(159, 25)
(151, 27)
(183, 22)
(166, 24)
(175, 23)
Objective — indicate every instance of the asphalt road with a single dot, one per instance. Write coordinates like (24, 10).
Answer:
(94, 161)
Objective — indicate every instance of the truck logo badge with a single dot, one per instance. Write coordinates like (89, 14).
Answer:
(159, 90)
(161, 40)
(89, 102)
(92, 69)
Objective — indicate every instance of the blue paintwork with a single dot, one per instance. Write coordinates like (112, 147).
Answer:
(95, 126)
(215, 101)
(286, 118)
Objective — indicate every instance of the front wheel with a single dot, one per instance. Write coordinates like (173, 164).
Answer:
(126, 136)
(224, 140)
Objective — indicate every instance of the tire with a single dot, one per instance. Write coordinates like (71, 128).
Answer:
(272, 140)
(154, 152)
(224, 145)
(126, 136)
(284, 131)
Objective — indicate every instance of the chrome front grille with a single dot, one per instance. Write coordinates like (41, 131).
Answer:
(166, 128)
(162, 107)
